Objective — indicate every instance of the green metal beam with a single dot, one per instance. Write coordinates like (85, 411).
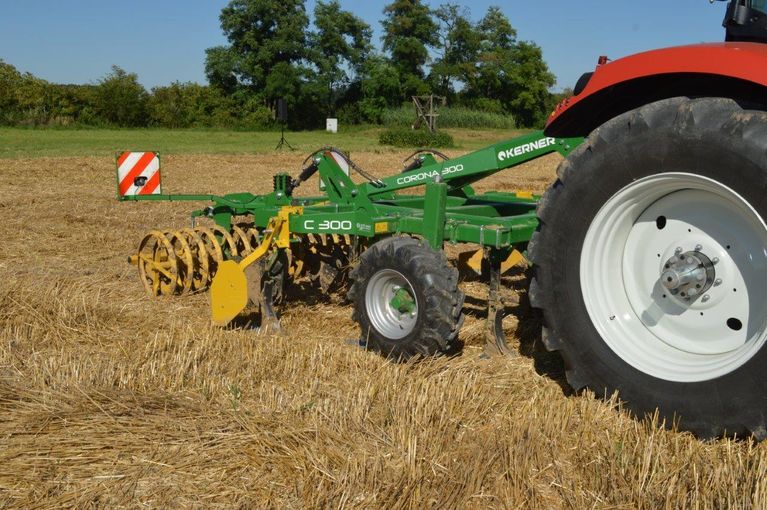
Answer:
(434, 214)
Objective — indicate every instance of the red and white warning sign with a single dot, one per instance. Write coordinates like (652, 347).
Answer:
(138, 173)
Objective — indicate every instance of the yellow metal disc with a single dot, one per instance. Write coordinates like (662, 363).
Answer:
(212, 246)
(254, 238)
(185, 266)
(201, 258)
(228, 240)
(241, 240)
(157, 264)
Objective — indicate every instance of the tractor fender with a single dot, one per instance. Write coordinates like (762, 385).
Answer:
(735, 70)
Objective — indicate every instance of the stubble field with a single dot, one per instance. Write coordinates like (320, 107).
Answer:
(111, 399)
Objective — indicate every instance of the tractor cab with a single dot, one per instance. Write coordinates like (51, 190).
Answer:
(746, 20)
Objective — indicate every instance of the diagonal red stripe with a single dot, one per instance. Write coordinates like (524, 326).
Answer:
(140, 166)
(151, 184)
(122, 159)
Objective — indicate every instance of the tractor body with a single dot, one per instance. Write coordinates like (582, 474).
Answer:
(734, 70)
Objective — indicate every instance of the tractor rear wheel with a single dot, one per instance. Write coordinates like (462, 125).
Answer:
(650, 264)
(406, 299)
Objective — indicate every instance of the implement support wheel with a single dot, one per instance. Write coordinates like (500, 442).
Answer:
(406, 299)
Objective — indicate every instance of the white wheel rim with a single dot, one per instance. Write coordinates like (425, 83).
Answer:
(382, 287)
(625, 252)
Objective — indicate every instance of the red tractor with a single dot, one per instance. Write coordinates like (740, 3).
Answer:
(650, 262)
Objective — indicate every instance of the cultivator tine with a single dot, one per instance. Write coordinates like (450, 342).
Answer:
(514, 259)
(263, 290)
(232, 289)
(495, 338)
(476, 261)
(472, 260)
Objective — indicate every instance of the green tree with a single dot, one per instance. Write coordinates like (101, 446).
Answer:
(267, 46)
(73, 104)
(497, 32)
(167, 106)
(381, 88)
(340, 46)
(556, 98)
(10, 81)
(409, 31)
(459, 44)
(530, 81)
(23, 97)
(509, 71)
(121, 100)
(221, 68)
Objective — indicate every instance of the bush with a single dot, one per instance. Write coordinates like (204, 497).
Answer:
(486, 105)
(453, 117)
(121, 100)
(349, 114)
(257, 117)
(404, 137)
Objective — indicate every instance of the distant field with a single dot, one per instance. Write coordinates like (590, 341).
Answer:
(16, 143)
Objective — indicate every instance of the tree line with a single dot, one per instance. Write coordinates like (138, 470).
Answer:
(326, 66)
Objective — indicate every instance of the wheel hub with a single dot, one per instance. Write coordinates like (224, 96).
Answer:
(688, 275)
(391, 304)
(402, 301)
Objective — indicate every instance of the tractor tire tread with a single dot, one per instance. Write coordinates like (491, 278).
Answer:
(719, 119)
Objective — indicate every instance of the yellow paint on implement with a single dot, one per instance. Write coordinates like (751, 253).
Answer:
(229, 290)
(228, 293)
(515, 258)
(475, 261)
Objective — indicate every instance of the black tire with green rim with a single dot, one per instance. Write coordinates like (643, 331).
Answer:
(406, 299)
(683, 171)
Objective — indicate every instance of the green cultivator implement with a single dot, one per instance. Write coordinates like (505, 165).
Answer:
(389, 244)
(648, 252)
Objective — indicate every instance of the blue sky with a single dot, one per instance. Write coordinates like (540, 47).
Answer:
(76, 41)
